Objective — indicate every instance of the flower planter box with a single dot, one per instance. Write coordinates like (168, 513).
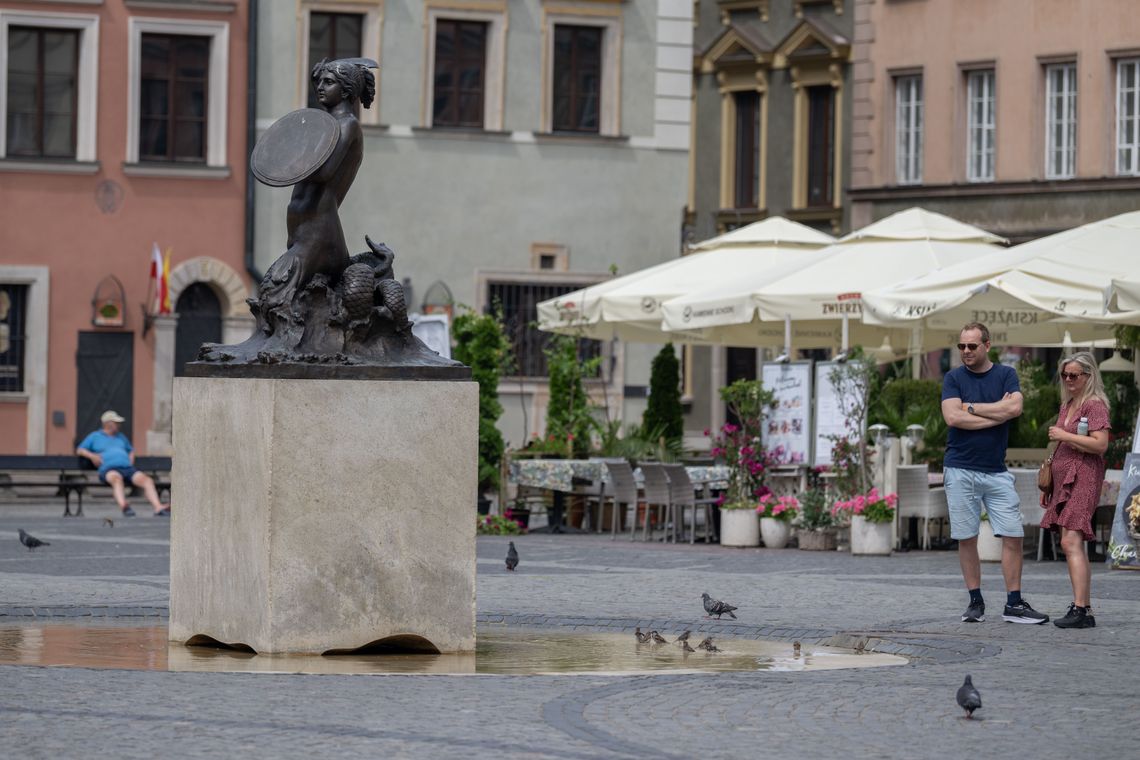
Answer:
(739, 527)
(816, 540)
(989, 545)
(775, 532)
(870, 538)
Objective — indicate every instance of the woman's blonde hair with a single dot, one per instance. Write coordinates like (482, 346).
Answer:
(1094, 388)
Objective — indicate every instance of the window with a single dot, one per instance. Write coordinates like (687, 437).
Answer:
(820, 145)
(577, 78)
(980, 126)
(459, 73)
(747, 149)
(1128, 116)
(520, 301)
(42, 91)
(176, 105)
(173, 89)
(908, 130)
(332, 36)
(13, 329)
(1060, 121)
(48, 71)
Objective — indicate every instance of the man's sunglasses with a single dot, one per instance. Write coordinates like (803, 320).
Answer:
(970, 346)
(1072, 375)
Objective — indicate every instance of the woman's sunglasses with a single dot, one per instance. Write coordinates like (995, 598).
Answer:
(1072, 375)
(970, 346)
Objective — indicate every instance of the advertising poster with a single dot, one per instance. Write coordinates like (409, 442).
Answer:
(830, 418)
(1122, 545)
(788, 424)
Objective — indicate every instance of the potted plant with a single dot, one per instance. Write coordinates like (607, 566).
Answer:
(989, 545)
(738, 445)
(816, 531)
(871, 517)
(497, 525)
(481, 343)
(663, 411)
(776, 517)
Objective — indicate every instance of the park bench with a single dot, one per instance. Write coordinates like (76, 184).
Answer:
(70, 474)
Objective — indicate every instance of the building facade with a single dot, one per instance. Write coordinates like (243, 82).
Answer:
(124, 129)
(1021, 134)
(516, 150)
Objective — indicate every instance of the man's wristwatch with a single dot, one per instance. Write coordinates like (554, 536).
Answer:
(970, 408)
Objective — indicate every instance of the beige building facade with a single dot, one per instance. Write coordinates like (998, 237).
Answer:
(1020, 116)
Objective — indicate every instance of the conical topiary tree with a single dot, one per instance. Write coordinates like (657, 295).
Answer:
(481, 343)
(663, 414)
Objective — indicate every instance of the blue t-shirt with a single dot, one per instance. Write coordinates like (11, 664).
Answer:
(115, 449)
(980, 450)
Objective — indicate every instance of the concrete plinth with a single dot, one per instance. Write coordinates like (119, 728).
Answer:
(318, 515)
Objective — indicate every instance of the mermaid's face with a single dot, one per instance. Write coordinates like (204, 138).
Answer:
(330, 92)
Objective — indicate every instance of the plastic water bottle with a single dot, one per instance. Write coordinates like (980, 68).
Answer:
(1083, 426)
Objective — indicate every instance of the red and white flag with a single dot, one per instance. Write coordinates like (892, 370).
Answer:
(159, 300)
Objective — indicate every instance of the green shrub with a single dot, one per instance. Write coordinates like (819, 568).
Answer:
(664, 409)
(569, 414)
(481, 343)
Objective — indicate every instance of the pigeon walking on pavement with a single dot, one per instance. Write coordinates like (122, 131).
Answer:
(512, 556)
(31, 541)
(708, 645)
(657, 637)
(642, 638)
(717, 607)
(968, 697)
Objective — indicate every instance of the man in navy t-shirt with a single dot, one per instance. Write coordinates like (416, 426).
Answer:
(110, 451)
(978, 401)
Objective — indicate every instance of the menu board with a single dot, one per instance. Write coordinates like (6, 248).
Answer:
(1122, 545)
(788, 424)
(830, 418)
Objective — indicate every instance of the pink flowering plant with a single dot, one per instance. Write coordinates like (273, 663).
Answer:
(873, 507)
(782, 508)
(738, 445)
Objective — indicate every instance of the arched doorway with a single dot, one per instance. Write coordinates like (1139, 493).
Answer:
(199, 321)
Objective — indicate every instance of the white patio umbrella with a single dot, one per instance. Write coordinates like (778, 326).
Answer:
(629, 307)
(1035, 295)
(818, 298)
(1125, 293)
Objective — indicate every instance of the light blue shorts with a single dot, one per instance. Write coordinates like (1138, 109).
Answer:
(968, 492)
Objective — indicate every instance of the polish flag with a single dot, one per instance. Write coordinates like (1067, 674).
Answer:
(164, 282)
(156, 269)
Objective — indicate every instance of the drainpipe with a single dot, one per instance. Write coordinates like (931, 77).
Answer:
(250, 139)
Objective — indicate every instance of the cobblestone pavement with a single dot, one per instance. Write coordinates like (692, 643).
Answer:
(1047, 692)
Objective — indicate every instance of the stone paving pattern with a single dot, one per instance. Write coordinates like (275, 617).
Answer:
(1046, 692)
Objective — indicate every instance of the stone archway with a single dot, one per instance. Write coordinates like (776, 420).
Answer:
(237, 323)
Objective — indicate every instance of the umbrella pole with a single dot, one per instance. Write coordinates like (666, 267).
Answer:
(846, 339)
(915, 352)
(788, 336)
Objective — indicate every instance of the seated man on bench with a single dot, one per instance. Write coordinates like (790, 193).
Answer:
(112, 453)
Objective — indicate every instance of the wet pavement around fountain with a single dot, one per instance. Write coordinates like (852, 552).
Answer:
(1046, 692)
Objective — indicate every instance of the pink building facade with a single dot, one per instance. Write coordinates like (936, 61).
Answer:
(1020, 116)
(124, 128)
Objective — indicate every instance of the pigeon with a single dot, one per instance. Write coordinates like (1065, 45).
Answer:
(31, 541)
(708, 645)
(861, 647)
(686, 648)
(717, 607)
(108, 522)
(657, 637)
(684, 637)
(968, 697)
(512, 557)
(796, 648)
(642, 638)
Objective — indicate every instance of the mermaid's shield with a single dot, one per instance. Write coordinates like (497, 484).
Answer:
(294, 147)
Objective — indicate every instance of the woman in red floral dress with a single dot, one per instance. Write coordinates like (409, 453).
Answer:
(1078, 471)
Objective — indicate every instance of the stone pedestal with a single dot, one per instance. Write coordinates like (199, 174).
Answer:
(318, 515)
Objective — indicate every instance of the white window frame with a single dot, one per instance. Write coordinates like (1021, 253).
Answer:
(494, 62)
(908, 129)
(370, 33)
(38, 280)
(609, 117)
(1128, 119)
(217, 97)
(981, 128)
(1061, 120)
(87, 80)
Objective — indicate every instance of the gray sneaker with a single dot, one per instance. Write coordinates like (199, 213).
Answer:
(1023, 613)
(975, 613)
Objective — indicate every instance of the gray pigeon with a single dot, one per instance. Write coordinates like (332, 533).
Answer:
(31, 541)
(512, 557)
(968, 697)
(683, 637)
(717, 607)
(642, 638)
(708, 645)
(657, 637)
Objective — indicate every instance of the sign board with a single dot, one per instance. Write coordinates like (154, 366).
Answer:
(830, 417)
(434, 330)
(1122, 546)
(789, 423)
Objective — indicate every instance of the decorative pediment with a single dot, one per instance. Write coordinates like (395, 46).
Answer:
(736, 47)
(811, 41)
